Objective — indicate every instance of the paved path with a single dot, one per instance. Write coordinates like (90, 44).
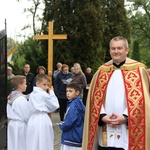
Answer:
(57, 132)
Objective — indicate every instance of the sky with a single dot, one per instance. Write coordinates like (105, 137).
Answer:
(12, 11)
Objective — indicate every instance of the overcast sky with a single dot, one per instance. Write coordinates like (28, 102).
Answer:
(12, 11)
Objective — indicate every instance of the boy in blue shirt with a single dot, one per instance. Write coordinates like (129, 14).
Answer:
(72, 126)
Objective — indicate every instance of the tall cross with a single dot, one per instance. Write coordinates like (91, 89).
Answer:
(50, 37)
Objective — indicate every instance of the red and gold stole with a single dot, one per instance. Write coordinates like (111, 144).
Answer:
(96, 103)
(136, 109)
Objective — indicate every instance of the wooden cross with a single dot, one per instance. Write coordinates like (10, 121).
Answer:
(50, 37)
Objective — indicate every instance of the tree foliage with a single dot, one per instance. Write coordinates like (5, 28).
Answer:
(115, 23)
(81, 21)
(29, 52)
(136, 51)
(139, 16)
(89, 25)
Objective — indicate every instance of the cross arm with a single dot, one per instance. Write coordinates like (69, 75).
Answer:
(41, 37)
(59, 36)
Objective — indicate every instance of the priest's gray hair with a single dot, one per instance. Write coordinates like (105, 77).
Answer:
(118, 38)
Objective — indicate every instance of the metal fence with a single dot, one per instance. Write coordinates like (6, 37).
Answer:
(3, 88)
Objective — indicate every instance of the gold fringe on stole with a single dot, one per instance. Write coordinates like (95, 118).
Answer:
(86, 131)
(104, 135)
(146, 87)
(127, 66)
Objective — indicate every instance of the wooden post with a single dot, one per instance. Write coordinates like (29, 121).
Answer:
(50, 37)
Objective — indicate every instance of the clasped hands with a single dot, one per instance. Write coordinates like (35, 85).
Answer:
(114, 120)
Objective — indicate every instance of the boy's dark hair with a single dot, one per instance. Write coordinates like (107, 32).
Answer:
(74, 85)
(40, 77)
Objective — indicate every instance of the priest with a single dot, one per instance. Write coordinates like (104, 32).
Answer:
(118, 104)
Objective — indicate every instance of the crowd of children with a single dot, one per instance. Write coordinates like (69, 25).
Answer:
(29, 123)
(29, 120)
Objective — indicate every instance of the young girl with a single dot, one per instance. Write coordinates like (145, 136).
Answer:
(72, 126)
(40, 134)
(17, 114)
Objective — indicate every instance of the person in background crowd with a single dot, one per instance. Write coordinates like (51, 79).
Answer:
(59, 65)
(118, 105)
(72, 70)
(9, 73)
(41, 70)
(29, 80)
(61, 81)
(79, 77)
(89, 76)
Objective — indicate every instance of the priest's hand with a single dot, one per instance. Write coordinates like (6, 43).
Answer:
(117, 119)
(108, 119)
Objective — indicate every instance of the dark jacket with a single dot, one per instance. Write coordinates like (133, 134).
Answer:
(72, 126)
(88, 78)
(60, 87)
(29, 82)
(80, 79)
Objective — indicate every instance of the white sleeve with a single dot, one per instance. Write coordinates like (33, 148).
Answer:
(51, 101)
(102, 110)
(125, 112)
(51, 92)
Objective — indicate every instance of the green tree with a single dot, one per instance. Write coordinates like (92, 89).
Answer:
(89, 26)
(136, 51)
(139, 13)
(29, 52)
(81, 21)
(115, 23)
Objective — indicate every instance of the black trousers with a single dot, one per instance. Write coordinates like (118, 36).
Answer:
(62, 109)
(109, 148)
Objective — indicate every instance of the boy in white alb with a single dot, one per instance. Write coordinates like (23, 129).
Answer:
(42, 101)
(17, 114)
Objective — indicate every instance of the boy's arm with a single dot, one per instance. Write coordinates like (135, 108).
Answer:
(69, 119)
(51, 101)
